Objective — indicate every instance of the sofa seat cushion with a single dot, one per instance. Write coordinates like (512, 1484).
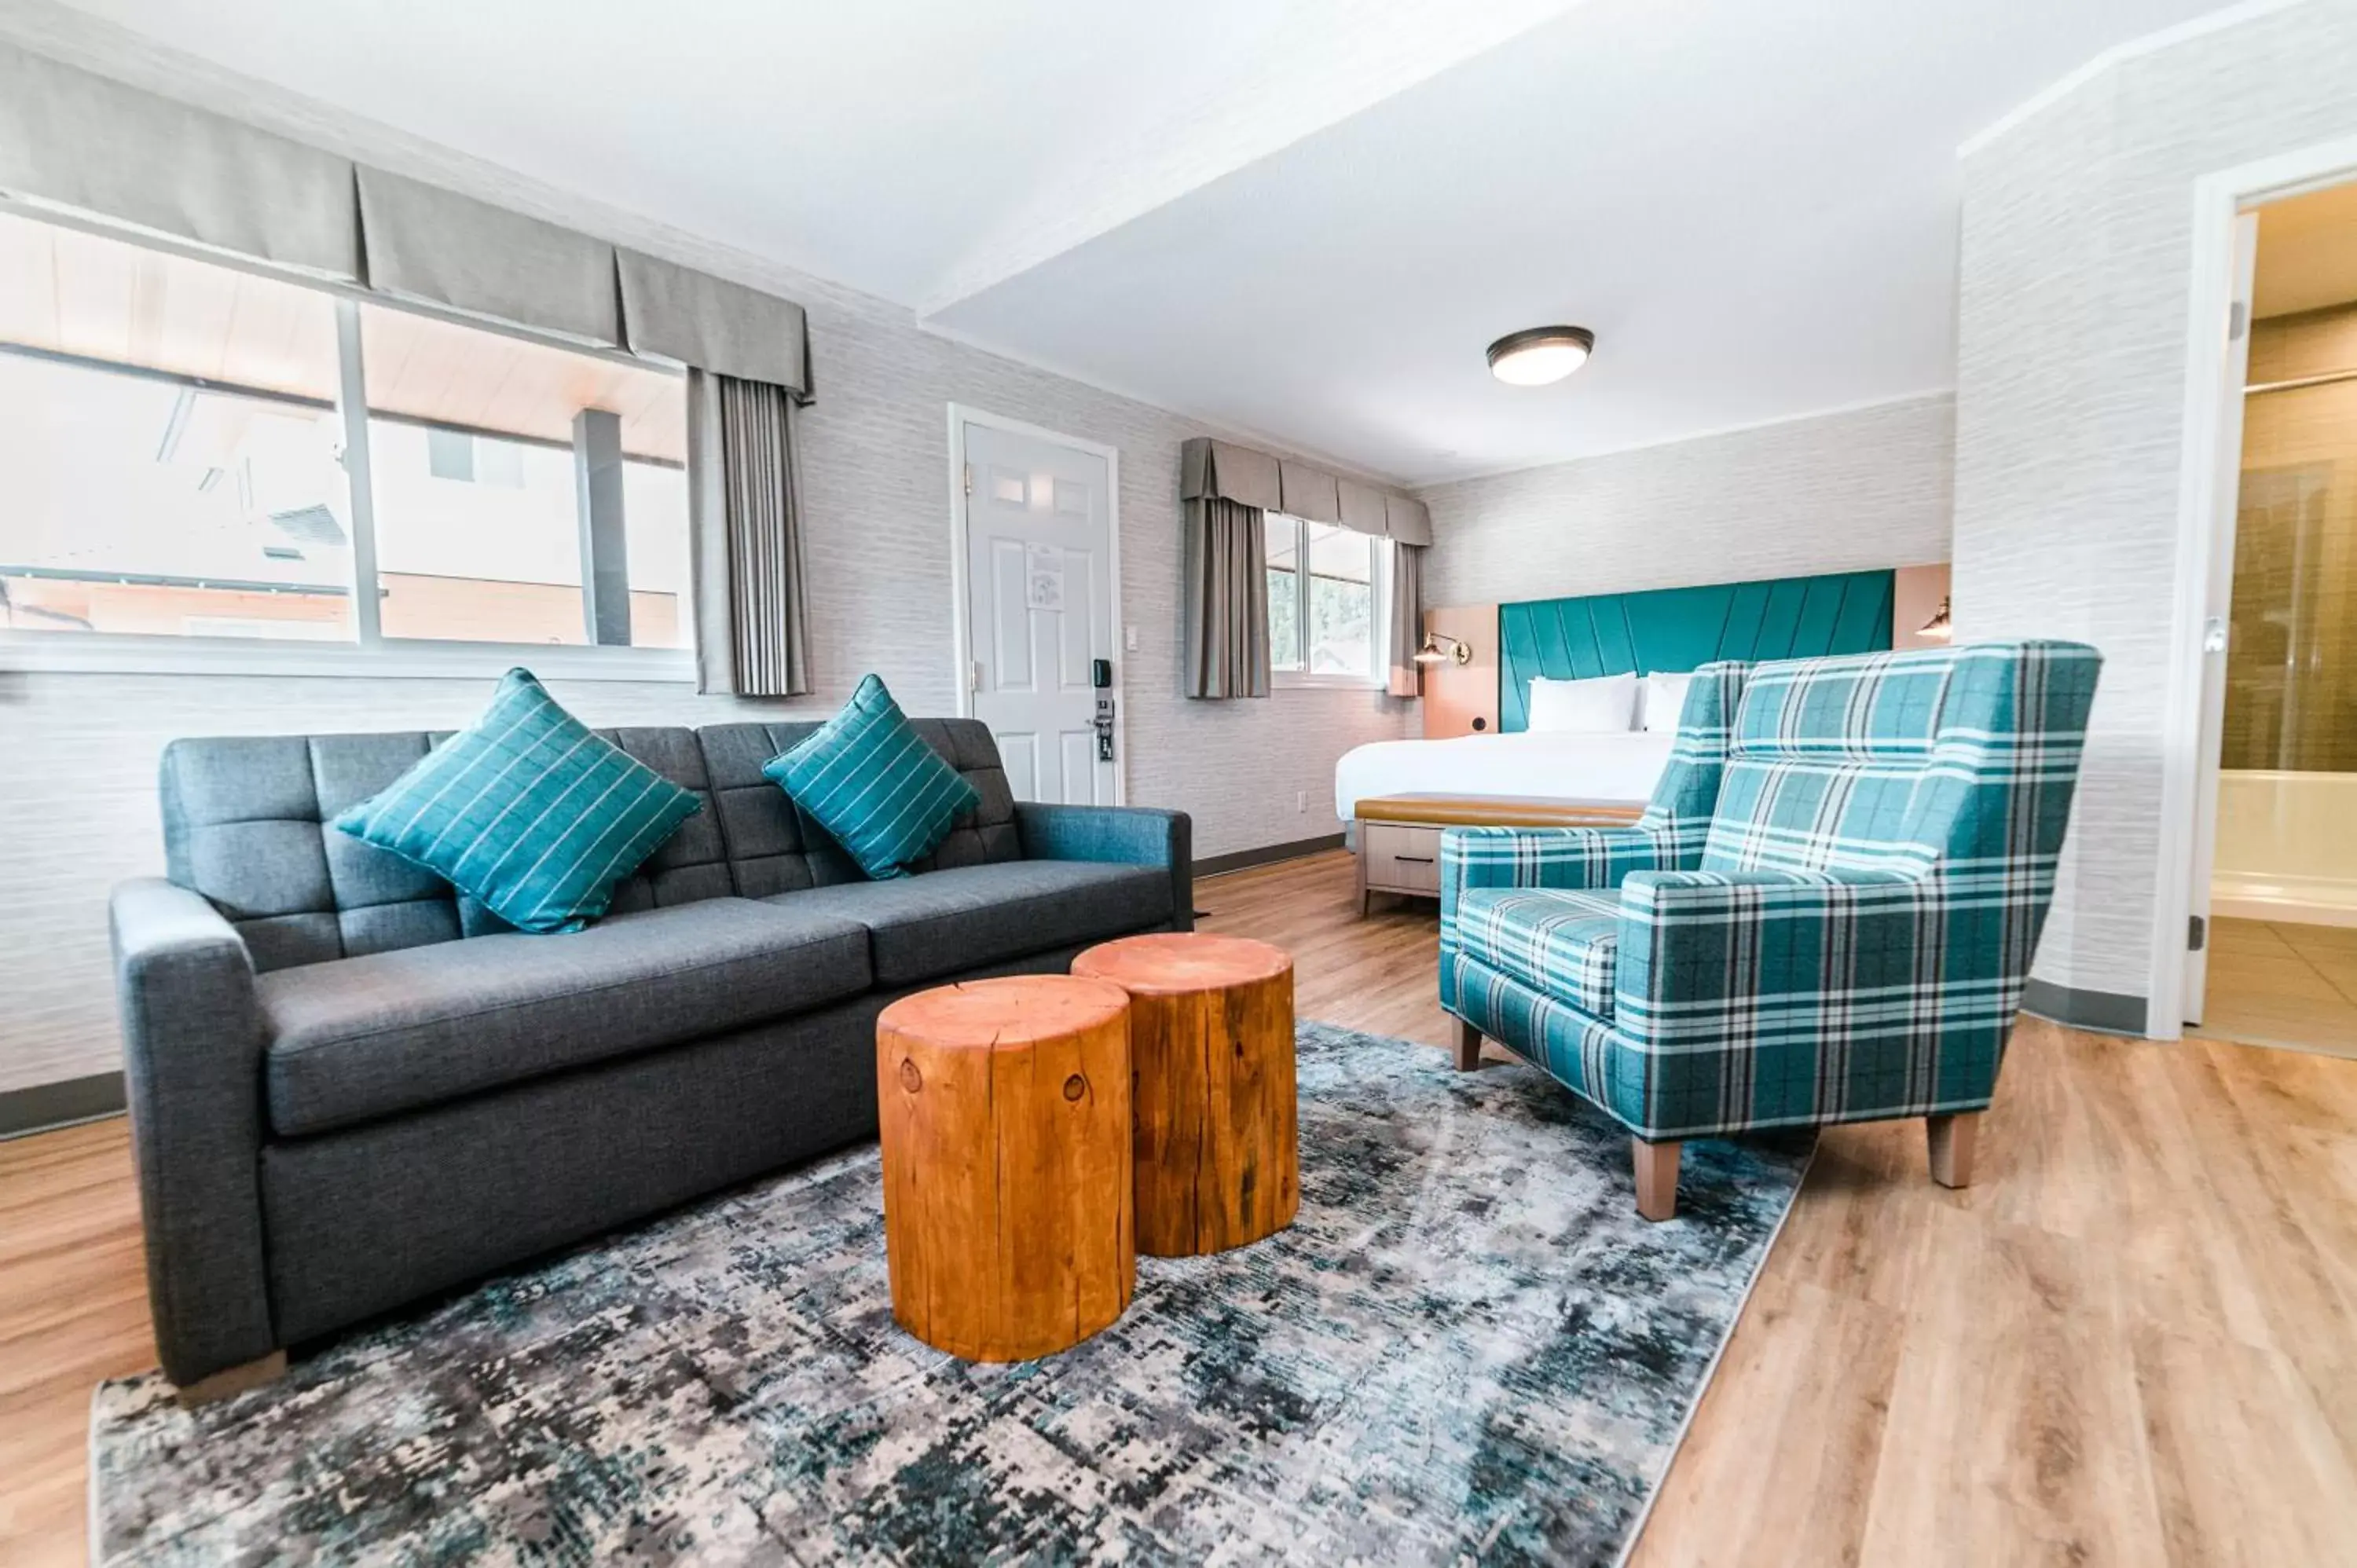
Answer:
(1561, 943)
(943, 923)
(358, 1038)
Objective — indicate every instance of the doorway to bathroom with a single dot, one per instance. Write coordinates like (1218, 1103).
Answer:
(2282, 929)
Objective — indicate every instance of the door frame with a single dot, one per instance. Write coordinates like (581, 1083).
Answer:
(2190, 736)
(961, 672)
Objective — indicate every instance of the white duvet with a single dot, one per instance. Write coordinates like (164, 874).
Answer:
(1611, 767)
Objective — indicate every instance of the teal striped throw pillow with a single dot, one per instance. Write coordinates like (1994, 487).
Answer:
(528, 810)
(868, 778)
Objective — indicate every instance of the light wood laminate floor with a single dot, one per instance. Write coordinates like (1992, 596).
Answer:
(2133, 1341)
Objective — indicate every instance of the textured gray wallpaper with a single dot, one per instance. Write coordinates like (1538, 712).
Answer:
(77, 753)
(1835, 493)
(2076, 268)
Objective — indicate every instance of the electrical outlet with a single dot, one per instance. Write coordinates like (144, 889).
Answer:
(1301, 799)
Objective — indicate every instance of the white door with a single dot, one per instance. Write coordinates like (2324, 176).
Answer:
(2217, 614)
(1041, 611)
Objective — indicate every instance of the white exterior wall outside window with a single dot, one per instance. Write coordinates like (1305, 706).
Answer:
(180, 492)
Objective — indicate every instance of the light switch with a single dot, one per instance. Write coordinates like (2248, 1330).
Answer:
(1129, 639)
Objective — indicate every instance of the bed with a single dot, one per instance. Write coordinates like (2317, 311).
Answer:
(1621, 768)
(1657, 630)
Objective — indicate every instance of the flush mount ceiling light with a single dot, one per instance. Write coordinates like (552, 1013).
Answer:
(1538, 355)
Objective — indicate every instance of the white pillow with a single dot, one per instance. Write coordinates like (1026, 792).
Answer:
(1605, 705)
(1665, 699)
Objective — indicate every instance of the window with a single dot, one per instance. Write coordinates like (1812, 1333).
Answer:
(1322, 621)
(174, 450)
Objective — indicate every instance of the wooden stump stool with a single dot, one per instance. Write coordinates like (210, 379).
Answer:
(1211, 1045)
(1006, 1108)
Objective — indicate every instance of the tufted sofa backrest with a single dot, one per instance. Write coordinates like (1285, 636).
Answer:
(246, 825)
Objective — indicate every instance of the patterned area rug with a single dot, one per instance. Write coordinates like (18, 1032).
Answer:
(1467, 1347)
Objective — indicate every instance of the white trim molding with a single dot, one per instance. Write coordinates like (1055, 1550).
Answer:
(76, 653)
(2188, 753)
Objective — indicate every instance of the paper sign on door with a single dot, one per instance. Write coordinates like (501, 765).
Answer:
(1043, 577)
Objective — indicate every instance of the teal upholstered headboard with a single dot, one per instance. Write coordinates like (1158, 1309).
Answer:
(1679, 628)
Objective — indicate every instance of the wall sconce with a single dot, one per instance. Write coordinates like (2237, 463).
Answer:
(1459, 651)
(1938, 627)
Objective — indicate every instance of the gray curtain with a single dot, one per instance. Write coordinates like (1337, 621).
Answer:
(1405, 634)
(1226, 594)
(752, 622)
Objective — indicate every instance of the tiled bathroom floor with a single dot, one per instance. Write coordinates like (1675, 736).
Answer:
(2276, 983)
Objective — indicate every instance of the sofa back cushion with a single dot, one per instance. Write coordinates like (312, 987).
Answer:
(775, 847)
(245, 824)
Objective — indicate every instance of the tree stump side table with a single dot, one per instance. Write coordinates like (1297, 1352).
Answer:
(1005, 1111)
(1211, 1044)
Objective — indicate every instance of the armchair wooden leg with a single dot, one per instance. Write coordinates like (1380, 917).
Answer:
(1468, 1044)
(1952, 1140)
(230, 1380)
(1657, 1178)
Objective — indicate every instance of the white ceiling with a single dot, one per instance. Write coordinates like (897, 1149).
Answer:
(1303, 219)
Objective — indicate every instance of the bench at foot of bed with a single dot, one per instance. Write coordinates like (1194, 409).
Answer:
(1399, 835)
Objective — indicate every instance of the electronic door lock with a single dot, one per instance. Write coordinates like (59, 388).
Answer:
(1104, 724)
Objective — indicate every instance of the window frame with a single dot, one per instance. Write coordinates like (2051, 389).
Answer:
(369, 654)
(1379, 581)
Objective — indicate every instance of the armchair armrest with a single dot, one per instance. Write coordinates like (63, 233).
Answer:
(1125, 835)
(1576, 859)
(192, 1044)
(1857, 952)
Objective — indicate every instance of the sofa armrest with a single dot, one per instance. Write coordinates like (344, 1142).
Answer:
(1125, 835)
(192, 1045)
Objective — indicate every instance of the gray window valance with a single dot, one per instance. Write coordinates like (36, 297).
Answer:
(1308, 492)
(1362, 507)
(436, 245)
(1224, 471)
(1407, 520)
(1232, 473)
(81, 141)
(85, 142)
(712, 324)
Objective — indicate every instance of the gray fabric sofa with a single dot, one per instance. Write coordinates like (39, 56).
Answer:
(352, 1088)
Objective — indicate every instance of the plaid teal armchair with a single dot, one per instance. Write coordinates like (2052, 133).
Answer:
(1827, 913)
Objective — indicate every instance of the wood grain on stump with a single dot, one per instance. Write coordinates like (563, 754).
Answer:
(1211, 1044)
(1005, 1109)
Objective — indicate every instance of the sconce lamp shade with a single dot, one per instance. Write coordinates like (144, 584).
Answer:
(1459, 651)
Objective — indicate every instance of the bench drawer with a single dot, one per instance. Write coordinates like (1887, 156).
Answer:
(1401, 858)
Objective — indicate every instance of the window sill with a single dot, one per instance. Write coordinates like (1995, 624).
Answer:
(68, 653)
(1300, 680)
